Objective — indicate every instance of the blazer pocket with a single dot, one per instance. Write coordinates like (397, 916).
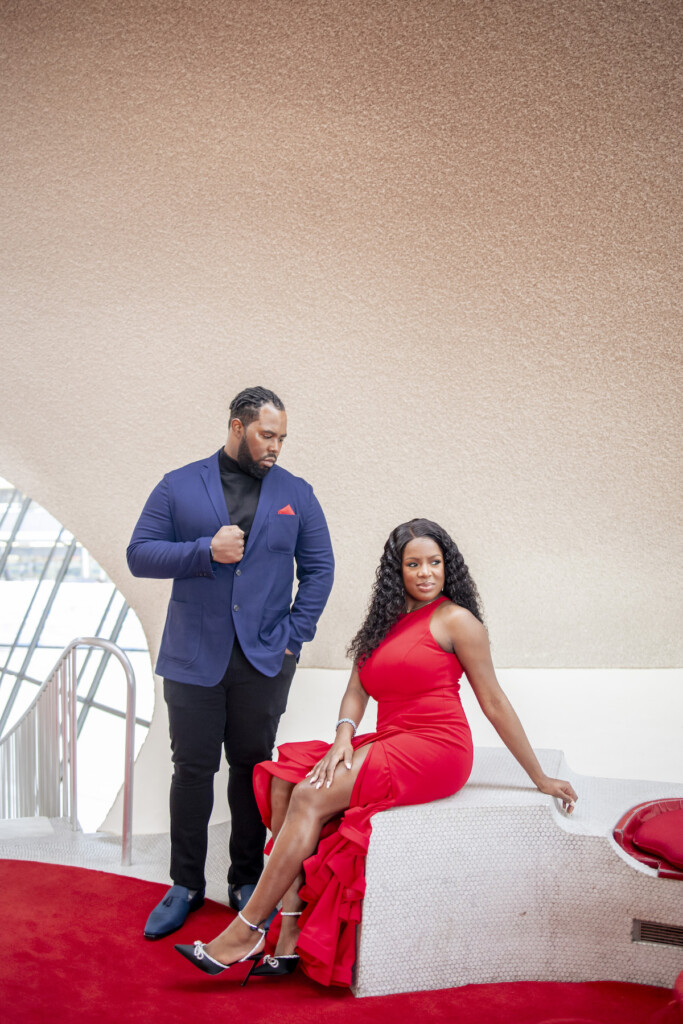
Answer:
(182, 632)
(282, 533)
(274, 629)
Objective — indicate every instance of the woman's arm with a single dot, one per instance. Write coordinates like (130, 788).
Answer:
(458, 630)
(352, 706)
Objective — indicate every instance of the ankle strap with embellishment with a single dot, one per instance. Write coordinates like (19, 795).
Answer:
(254, 927)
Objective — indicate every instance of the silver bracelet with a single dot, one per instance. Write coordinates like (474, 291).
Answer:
(350, 721)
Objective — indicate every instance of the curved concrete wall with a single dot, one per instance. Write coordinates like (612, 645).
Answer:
(444, 231)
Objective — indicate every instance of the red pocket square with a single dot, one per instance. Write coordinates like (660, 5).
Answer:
(286, 511)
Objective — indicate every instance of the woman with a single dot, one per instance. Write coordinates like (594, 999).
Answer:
(423, 629)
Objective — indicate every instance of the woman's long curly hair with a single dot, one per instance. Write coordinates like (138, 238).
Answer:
(388, 598)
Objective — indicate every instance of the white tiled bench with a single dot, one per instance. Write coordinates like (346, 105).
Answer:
(497, 884)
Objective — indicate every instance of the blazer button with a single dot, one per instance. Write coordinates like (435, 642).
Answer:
(235, 607)
(238, 572)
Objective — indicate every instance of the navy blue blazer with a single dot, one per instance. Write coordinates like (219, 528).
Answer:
(211, 603)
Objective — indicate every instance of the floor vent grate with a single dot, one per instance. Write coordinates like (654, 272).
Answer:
(662, 934)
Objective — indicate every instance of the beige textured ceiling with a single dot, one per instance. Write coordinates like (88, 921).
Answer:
(447, 233)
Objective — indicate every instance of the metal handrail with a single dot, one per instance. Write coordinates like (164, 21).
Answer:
(46, 735)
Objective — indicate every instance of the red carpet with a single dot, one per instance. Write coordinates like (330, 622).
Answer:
(73, 952)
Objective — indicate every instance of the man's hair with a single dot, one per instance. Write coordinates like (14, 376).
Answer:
(245, 406)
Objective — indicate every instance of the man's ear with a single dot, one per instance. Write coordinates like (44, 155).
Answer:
(236, 427)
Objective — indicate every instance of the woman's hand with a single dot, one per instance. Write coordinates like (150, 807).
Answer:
(323, 771)
(564, 791)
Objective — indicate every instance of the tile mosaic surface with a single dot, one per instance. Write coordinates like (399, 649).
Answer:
(498, 884)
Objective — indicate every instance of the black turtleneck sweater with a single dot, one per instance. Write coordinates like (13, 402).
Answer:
(241, 492)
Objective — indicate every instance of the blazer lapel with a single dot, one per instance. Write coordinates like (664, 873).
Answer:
(211, 475)
(268, 487)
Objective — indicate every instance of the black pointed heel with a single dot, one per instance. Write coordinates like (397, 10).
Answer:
(275, 966)
(198, 956)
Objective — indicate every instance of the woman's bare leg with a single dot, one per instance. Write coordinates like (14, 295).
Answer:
(280, 795)
(289, 926)
(309, 808)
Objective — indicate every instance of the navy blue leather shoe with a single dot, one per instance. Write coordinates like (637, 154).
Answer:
(170, 914)
(239, 896)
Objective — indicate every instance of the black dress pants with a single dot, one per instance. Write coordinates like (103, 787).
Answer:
(241, 713)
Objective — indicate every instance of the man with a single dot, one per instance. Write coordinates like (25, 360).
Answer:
(228, 530)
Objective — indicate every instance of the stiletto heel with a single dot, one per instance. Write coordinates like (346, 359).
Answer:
(198, 956)
(275, 966)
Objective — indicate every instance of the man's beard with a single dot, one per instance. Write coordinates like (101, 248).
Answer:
(247, 464)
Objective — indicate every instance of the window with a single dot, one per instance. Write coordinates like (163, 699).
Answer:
(51, 591)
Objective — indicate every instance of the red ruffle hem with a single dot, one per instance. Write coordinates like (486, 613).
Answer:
(335, 874)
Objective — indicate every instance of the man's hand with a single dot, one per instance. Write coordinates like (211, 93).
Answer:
(228, 545)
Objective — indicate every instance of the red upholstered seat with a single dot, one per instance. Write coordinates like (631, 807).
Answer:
(652, 833)
(663, 835)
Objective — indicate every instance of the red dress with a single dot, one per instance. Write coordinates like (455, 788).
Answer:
(421, 751)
